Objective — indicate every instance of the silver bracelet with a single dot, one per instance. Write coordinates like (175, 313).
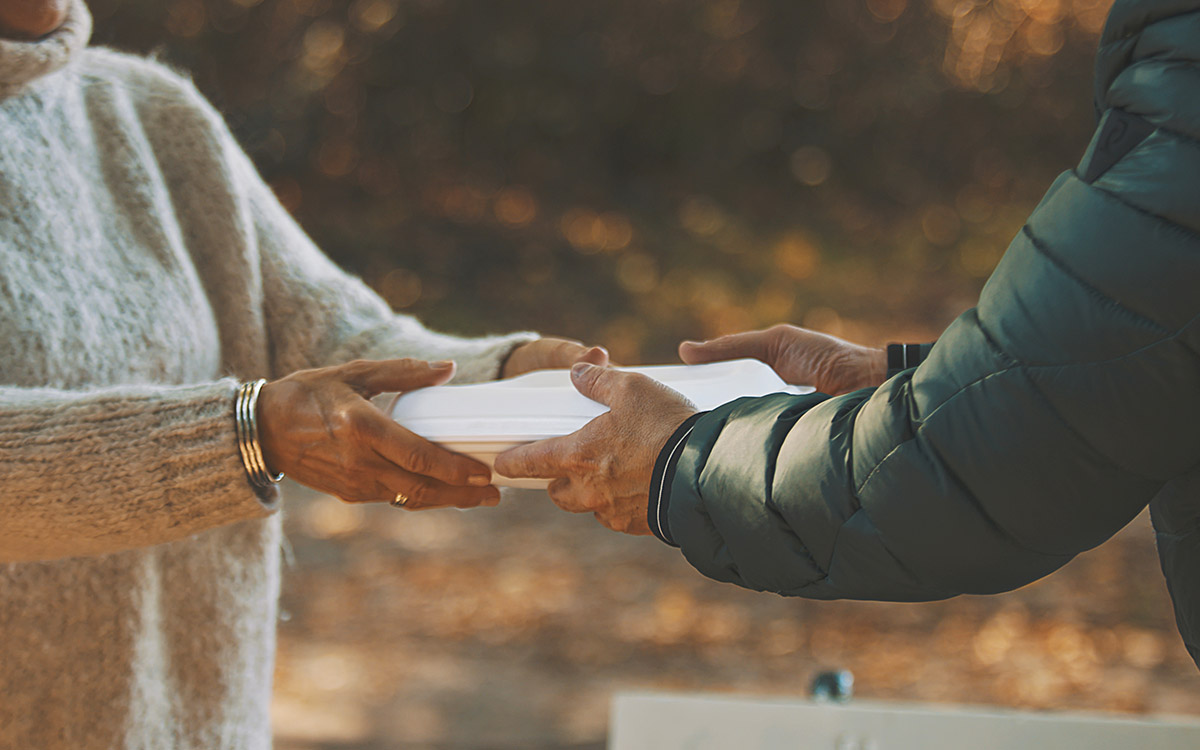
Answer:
(247, 433)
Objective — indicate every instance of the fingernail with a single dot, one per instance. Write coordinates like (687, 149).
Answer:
(694, 343)
(444, 364)
(580, 368)
(479, 480)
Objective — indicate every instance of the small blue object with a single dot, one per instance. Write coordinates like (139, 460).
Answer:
(836, 686)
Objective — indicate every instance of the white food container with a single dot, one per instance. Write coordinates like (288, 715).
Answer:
(483, 420)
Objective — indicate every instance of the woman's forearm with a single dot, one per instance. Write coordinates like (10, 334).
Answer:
(89, 473)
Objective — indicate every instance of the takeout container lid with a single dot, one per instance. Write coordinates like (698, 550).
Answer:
(493, 416)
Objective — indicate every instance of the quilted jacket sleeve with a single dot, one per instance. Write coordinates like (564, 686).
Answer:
(1044, 419)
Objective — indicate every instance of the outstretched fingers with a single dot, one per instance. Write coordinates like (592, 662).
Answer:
(751, 344)
(545, 459)
(415, 454)
(370, 378)
(423, 493)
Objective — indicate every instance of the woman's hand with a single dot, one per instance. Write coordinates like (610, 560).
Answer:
(605, 468)
(551, 354)
(799, 356)
(319, 428)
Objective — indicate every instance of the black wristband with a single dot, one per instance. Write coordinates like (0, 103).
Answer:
(895, 359)
(901, 357)
(663, 475)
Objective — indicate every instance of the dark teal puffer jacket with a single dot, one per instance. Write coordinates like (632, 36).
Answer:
(1043, 420)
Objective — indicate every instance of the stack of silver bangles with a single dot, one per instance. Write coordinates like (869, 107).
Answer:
(247, 434)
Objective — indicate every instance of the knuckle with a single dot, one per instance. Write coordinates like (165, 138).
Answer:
(608, 466)
(584, 464)
(346, 421)
(622, 524)
(781, 334)
(353, 495)
(623, 386)
(409, 367)
(418, 461)
(350, 463)
(357, 368)
(421, 494)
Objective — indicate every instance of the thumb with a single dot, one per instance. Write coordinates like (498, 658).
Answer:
(370, 378)
(595, 382)
(545, 459)
(597, 355)
(752, 344)
(604, 384)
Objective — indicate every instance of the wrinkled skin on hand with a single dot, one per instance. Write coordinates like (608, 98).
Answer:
(605, 468)
(320, 428)
(551, 354)
(799, 356)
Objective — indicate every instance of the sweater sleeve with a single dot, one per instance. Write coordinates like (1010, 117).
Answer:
(91, 473)
(1043, 421)
(318, 315)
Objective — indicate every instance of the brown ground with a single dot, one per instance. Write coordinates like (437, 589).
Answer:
(513, 627)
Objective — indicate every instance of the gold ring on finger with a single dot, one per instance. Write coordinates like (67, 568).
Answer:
(400, 500)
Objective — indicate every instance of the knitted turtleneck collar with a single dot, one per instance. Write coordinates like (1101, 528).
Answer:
(22, 62)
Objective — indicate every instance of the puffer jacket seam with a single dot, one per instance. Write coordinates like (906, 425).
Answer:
(1192, 234)
(824, 580)
(981, 509)
(1018, 364)
(1012, 362)
(777, 514)
(1082, 438)
(875, 469)
(1167, 339)
(1179, 134)
(1162, 59)
(1171, 337)
(990, 340)
(1041, 247)
(917, 433)
(1135, 32)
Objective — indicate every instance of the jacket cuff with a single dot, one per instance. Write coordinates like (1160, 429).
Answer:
(664, 474)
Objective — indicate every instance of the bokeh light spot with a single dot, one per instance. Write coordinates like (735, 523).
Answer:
(373, 15)
(811, 165)
(637, 273)
(323, 43)
(186, 18)
(701, 216)
(515, 207)
(940, 225)
(401, 288)
(796, 256)
(825, 320)
(887, 11)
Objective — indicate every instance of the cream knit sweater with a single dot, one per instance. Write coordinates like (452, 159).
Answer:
(144, 268)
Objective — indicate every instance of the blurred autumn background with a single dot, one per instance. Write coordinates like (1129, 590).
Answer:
(635, 172)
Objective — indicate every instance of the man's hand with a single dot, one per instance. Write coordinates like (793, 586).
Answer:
(550, 354)
(799, 356)
(320, 428)
(605, 468)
